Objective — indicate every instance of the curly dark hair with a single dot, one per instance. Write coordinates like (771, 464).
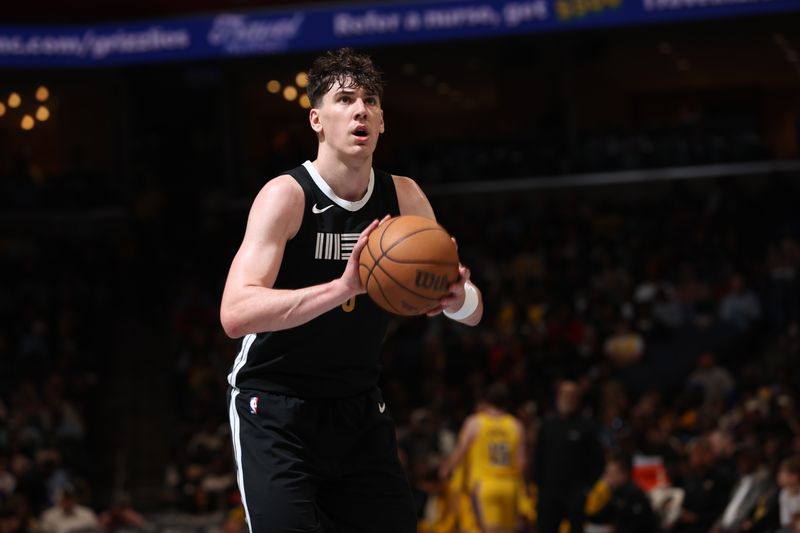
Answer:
(345, 67)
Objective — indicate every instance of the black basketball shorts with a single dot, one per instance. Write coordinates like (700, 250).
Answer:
(319, 465)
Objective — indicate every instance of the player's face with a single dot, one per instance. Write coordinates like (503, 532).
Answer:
(349, 120)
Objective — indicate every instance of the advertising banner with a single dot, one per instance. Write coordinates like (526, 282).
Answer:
(268, 32)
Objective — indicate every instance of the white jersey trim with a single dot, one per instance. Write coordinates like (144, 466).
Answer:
(341, 202)
(241, 358)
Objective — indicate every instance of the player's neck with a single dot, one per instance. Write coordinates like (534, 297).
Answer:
(348, 179)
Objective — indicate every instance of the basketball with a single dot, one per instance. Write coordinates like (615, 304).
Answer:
(408, 264)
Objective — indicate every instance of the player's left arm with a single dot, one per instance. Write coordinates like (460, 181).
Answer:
(467, 435)
(464, 296)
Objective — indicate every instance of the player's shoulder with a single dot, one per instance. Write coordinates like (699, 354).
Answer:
(410, 198)
(473, 421)
(404, 182)
(279, 204)
(283, 184)
(282, 190)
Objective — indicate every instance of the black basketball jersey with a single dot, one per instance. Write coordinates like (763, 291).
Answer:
(336, 354)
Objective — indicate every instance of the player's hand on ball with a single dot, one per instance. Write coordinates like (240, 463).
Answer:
(350, 277)
(455, 298)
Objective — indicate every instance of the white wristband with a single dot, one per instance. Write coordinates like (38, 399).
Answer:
(469, 306)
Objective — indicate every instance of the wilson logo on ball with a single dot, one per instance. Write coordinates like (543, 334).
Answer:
(408, 264)
(430, 281)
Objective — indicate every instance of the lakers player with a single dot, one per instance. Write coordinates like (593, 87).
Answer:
(313, 438)
(491, 446)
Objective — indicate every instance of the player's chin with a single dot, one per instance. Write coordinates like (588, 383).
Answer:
(366, 144)
(360, 151)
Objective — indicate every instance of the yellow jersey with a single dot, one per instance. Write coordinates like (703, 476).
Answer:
(493, 452)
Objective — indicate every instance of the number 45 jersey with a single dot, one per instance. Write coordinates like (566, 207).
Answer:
(493, 453)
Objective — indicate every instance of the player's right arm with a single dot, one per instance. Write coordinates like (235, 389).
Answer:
(250, 304)
(468, 433)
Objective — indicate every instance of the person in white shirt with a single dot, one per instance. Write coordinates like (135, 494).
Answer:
(68, 516)
(755, 482)
(789, 497)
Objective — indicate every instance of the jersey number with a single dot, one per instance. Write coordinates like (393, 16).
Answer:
(349, 305)
(499, 454)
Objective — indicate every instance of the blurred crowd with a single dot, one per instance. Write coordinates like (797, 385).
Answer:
(663, 320)
(675, 318)
(56, 340)
(693, 142)
(28, 186)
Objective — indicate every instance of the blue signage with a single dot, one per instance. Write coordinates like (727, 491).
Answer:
(235, 34)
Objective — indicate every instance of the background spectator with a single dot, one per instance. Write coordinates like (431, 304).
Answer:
(567, 461)
(68, 516)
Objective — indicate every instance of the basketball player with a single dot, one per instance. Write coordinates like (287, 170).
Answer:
(313, 438)
(492, 447)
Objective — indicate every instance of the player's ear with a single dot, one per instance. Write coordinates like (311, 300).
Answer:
(313, 119)
(382, 125)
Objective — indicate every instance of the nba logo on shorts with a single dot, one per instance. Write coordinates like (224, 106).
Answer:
(254, 405)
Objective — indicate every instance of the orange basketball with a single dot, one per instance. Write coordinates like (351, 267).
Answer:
(408, 264)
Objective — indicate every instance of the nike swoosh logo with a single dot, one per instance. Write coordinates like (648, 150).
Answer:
(316, 210)
(381, 407)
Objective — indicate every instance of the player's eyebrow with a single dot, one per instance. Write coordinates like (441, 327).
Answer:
(350, 90)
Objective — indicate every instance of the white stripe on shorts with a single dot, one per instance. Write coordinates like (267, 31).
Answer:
(237, 453)
(233, 415)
